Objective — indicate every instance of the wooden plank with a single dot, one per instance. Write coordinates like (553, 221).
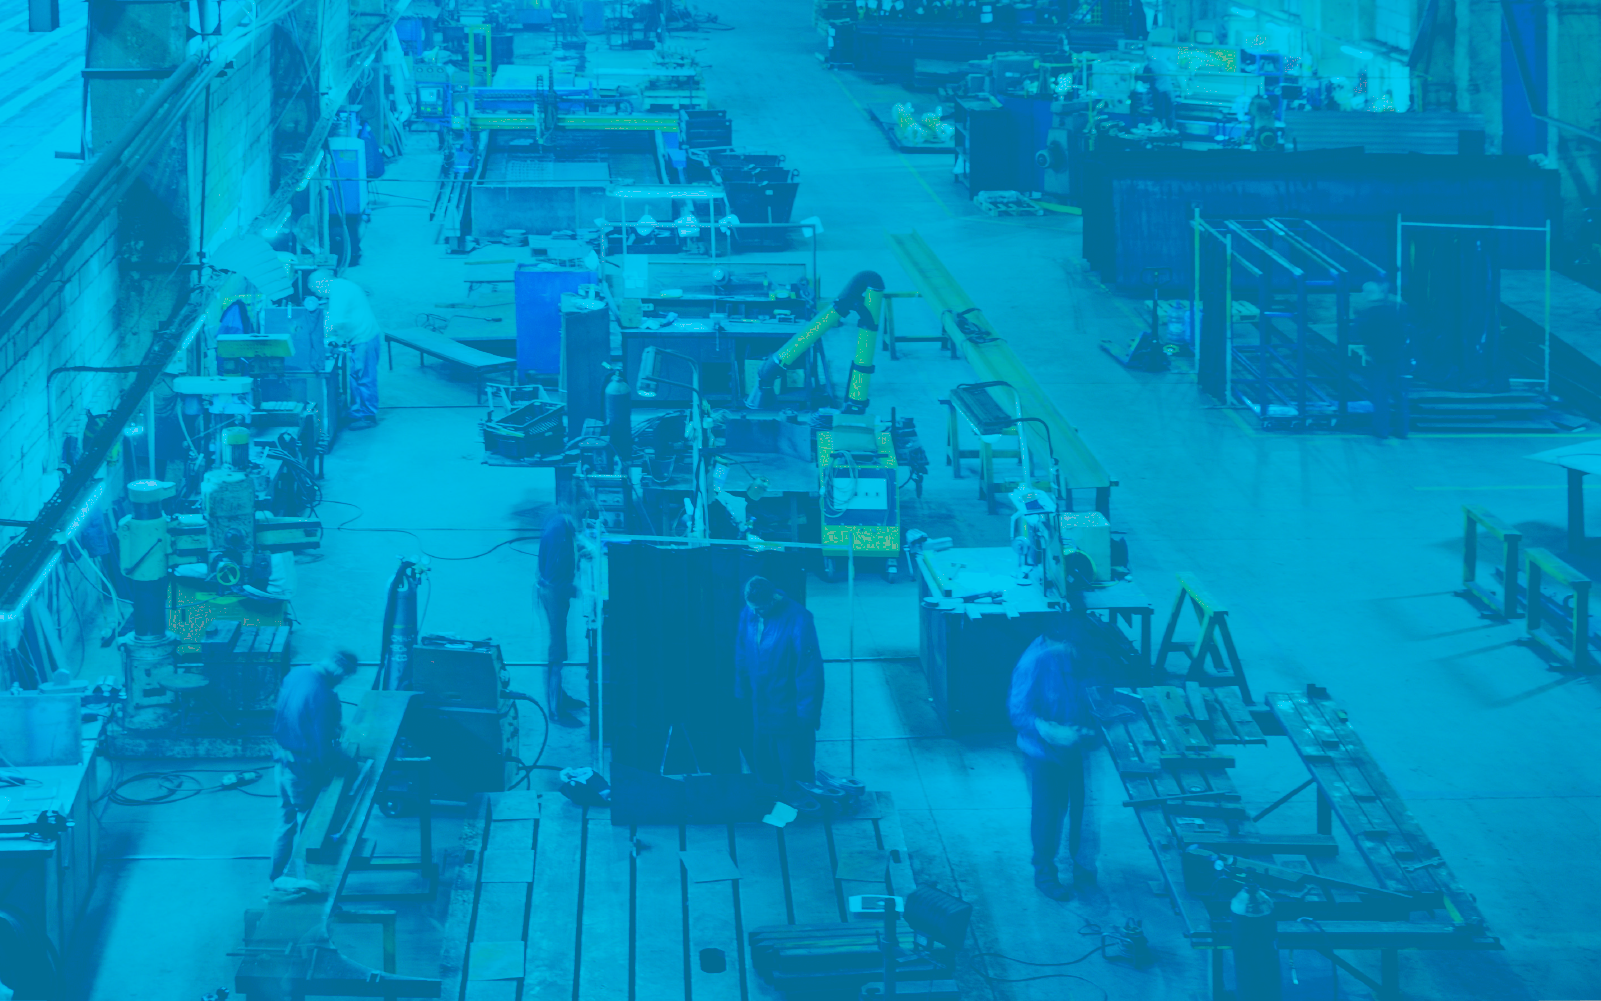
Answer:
(809, 872)
(608, 912)
(761, 884)
(460, 907)
(856, 854)
(1228, 697)
(1176, 707)
(492, 990)
(502, 913)
(659, 916)
(760, 896)
(553, 906)
(507, 865)
(511, 834)
(901, 879)
(713, 933)
(1320, 845)
(1163, 729)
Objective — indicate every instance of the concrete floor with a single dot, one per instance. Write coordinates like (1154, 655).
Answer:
(1337, 556)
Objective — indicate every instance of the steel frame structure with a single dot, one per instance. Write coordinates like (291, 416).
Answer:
(1293, 378)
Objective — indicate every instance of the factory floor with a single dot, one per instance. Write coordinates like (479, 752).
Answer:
(1336, 555)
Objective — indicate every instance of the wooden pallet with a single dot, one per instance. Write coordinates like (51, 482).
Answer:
(553, 901)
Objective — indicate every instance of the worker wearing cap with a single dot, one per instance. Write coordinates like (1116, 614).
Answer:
(1051, 714)
(778, 676)
(307, 728)
(348, 319)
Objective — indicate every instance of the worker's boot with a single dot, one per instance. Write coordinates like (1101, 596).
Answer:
(1046, 881)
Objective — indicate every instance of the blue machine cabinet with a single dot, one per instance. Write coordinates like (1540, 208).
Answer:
(538, 295)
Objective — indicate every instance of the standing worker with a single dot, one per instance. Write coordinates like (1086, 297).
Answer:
(1051, 714)
(558, 585)
(348, 319)
(307, 728)
(1382, 327)
(778, 668)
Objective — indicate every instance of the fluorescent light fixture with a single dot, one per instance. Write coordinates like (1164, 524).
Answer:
(194, 332)
(667, 191)
(1242, 12)
(16, 612)
(1352, 50)
(65, 535)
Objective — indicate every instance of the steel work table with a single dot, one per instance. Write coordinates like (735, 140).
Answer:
(1381, 887)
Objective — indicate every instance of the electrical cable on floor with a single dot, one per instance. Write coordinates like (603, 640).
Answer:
(343, 527)
(178, 786)
(529, 767)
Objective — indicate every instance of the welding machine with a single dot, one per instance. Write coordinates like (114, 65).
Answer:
(860, 496)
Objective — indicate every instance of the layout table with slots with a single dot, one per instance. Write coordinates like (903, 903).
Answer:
(553, 899)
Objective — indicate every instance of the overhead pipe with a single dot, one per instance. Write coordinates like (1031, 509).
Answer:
(863, 295)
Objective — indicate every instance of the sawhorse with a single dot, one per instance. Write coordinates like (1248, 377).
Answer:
(1215, 645)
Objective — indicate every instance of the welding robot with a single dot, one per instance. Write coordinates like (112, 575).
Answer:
(856, 460)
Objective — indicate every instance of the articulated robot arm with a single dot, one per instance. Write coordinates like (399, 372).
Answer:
(864, 293)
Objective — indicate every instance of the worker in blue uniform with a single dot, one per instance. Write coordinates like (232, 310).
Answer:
(558, 585)
(307, 728)
(1383, 328)
(778, 679)
(1051, 714)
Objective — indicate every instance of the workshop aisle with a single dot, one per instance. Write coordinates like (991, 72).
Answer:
(1336, 554)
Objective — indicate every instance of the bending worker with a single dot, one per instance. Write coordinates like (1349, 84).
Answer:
(349, 319)
(558, 585)
(778, 669)
(307, 728)
(1051, 714)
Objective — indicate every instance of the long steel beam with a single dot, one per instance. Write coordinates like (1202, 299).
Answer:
(994, 360)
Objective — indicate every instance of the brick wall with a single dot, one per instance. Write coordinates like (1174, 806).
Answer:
(80, 323)
(237, 146)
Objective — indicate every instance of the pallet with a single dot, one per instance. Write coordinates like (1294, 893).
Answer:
(558, 902)
(1006, 203)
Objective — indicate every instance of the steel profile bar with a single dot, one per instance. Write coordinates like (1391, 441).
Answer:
(993, 359)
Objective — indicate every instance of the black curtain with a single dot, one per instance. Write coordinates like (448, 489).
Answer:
(670, 620)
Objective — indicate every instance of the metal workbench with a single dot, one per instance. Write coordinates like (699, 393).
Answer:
(977, 618)
(46, 883)
(1377, 884)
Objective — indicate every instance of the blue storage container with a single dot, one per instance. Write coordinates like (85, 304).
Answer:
(538, 301)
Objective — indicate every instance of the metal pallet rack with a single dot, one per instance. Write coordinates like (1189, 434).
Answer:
(1259, 341)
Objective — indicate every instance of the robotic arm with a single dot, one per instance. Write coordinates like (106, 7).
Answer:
(864, 294)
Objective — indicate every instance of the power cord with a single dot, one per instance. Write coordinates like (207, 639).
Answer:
(528, 767)
(177, 786)
(344, 527)
(1088, 928)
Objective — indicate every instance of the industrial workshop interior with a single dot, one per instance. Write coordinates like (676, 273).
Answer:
(799, 500)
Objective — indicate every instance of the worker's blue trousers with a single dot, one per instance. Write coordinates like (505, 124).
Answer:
(364, 378)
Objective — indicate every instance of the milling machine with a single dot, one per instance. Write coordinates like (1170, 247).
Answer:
(206, 691)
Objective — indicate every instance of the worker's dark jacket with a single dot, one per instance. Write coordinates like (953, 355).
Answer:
(558, 557)
(308, 721)
(1045, 686)
(1384, 330)
(782, 672)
